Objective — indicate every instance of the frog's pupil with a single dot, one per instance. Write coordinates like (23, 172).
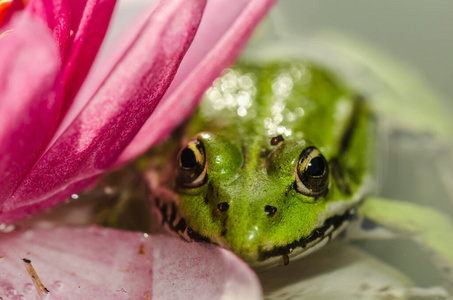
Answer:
(188, 159)
(316, 166)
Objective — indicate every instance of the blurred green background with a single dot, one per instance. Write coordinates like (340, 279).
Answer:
(418, 32)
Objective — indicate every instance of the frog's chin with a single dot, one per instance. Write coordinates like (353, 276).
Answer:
(321, 236)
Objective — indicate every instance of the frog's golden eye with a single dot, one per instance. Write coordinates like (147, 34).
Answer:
(312, 173)
(192, 165)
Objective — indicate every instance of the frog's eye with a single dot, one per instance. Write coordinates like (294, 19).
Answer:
(192, 165)
(312, 171)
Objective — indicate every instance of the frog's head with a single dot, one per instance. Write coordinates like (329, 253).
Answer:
(266, 205)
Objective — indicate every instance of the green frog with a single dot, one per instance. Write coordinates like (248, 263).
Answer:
(278, 161)
(275, 165)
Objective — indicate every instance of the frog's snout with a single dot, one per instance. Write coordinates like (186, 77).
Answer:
(248, 221)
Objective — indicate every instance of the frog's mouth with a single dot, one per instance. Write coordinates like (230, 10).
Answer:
(171, 219)
(331, 228)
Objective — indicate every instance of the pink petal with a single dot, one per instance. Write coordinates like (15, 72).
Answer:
(201, 271)
(223, 32)
(85, 45)
(79, 27)
(97, 263)
(29, 64)
(118, 109)
(56, 15)
(27, 211)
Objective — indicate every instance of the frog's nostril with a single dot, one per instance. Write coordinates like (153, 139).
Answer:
(223, 206)
(270, 210)
(276, 140)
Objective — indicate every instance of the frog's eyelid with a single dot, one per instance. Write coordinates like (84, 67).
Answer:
(200, 179)
(302, 188)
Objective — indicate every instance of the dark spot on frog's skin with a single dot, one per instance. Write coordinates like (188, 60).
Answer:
(285, 259)
(264, 153)
(348, 133)
(276, 140)
(27, 260)
(270, 210)
(224, 223)
(339, 176)
(223, 206)
(196, 236)
(173, 213)
(181, 226)
(46, 290)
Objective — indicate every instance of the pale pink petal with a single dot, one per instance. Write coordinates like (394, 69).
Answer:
(29, 64)
(224, 30)
(97, 263)
(200, 270)
(85, 45)
(118, 109)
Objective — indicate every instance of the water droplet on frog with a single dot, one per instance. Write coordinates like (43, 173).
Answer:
(11, 291)
(58, 285)
(145, 235)
(75, 196)
(28, 288)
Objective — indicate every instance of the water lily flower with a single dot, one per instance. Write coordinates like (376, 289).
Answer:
(60, 128)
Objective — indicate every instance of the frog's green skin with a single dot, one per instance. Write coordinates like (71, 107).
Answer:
(235, 124)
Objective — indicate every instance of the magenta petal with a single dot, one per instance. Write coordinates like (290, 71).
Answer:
(123, 102)
(79, 27)
(97, 263)
(29, 64)
(85, 45)
(57, 17)
(223, 32)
